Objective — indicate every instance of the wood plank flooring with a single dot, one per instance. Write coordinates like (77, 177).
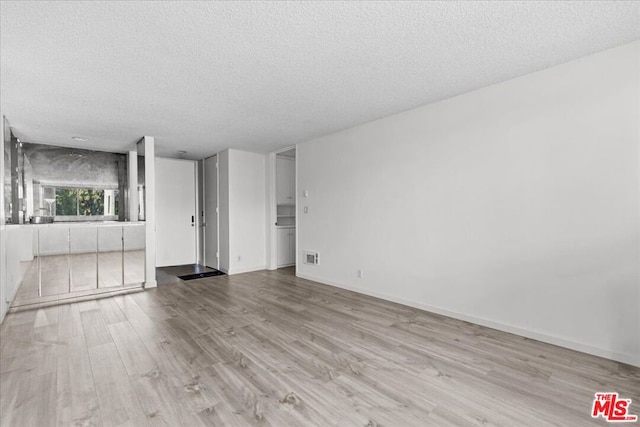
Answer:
(269, 349)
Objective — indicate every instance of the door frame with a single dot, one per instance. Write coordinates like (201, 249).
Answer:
(272, 217)
(204, 208)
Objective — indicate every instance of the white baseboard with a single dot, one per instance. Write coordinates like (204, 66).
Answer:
(150, 284)
(14, 292)
(9, 300)
(285, 266)
(233, 271)
(550, 339)
(3, 311)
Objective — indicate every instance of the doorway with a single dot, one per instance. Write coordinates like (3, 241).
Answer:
(210, 190)
(286, 208)
(175, 212)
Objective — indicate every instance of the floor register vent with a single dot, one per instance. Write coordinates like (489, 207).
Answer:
(311, 257)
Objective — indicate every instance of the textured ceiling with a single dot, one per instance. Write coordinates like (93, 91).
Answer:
(206, 76)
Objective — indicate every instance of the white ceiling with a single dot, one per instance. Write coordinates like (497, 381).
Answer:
(206, 76)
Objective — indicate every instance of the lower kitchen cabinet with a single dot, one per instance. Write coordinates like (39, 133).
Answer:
(286, 247)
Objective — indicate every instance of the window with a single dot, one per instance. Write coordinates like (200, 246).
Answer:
(84, 201)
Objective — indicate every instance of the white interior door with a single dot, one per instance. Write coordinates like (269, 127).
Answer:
(175, 212)
(211, 212)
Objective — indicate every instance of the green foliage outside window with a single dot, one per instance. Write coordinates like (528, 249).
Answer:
(66, 201)
(79, 201)
(90, 202)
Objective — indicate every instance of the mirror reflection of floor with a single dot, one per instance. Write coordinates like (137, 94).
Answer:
(79, 274)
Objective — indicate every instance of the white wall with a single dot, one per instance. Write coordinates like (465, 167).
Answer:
(223, 207)
(200, 221)
(3, 268)
(19, 240)
(514, 206)
(242, 211)
(271, 217)
(11, 236)
(146, 147)
(132, 187)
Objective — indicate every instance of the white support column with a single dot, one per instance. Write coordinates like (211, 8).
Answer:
(146, 146)
(271, 214)
(132, 188)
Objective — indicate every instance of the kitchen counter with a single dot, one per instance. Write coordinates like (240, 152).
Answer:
(29, 240)
(78, 224)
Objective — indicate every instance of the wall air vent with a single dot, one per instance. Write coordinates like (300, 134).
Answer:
(311, 257)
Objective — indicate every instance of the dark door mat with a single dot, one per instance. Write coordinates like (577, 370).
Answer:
(201, 275)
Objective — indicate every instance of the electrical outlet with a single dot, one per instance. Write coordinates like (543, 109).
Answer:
(239, 258)
(359, 274)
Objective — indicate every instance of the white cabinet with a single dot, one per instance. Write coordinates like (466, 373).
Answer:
(286, 246)
(286, 215)
(285, 181)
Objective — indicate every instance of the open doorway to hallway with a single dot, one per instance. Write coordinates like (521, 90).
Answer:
(286, 208)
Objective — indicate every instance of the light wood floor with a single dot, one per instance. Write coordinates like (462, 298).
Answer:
(269, 349)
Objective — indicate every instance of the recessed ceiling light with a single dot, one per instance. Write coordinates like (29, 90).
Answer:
(79, 138)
